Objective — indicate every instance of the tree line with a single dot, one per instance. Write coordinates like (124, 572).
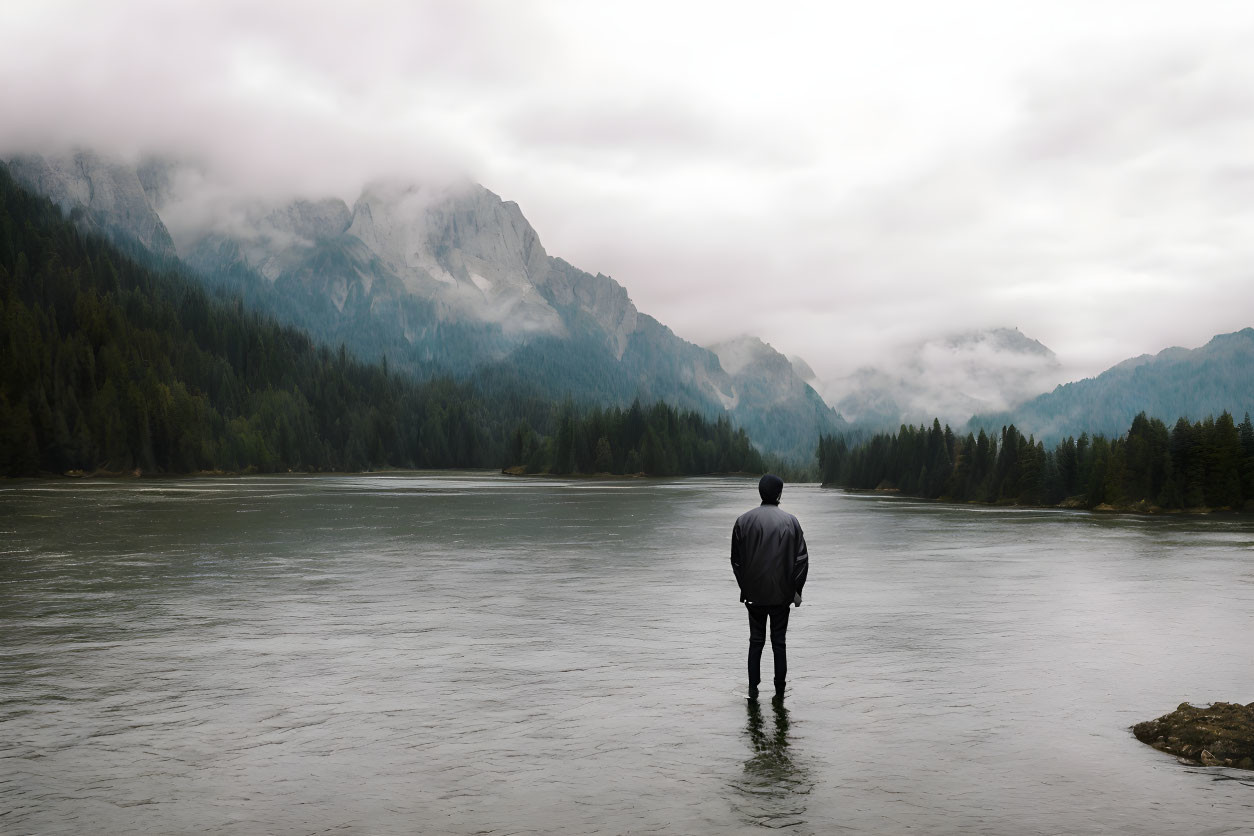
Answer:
(110, 363)
(1202, 464)
(659, 440)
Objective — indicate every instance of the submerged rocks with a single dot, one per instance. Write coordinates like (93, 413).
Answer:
(1217, 735)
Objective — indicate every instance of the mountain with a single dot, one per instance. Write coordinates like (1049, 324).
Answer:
(101, 196)
(951, 377)
(438, 280)
(455, 280)
(1175, 383)
(114, 365)
(761, 375)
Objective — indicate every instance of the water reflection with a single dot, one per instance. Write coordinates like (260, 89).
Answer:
(774, 785)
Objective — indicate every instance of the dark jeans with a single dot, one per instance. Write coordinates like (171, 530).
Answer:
(757, 641)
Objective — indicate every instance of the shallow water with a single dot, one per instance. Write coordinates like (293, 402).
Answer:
(468, 653)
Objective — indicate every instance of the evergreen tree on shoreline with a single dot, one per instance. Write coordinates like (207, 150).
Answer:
(1204, 464)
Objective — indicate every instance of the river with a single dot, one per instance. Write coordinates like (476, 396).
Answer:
(471, 653)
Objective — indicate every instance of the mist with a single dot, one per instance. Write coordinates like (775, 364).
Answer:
(843, 183)
(948, 376)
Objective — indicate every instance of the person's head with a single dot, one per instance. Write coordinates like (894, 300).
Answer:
(770, 487)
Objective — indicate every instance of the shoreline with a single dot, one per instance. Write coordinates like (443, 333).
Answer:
(79, 475)
(517, 470)
(1142, 509)
(138, 474)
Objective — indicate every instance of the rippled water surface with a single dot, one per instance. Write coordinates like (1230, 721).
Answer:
(469, 653)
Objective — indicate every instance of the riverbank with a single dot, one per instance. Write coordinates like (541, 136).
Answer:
(518, 470)
(1073, 504)
(138, 473)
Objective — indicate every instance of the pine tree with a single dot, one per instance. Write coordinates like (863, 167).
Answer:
(1224, 458)
(1246, 431)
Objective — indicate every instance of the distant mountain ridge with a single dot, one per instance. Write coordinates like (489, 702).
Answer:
(951, 377)
(761, 375)
(1177, 382)
(439, 280)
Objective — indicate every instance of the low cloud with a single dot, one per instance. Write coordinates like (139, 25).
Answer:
(949, 376)
(839, 181)
(281, 99)
(1112, 219)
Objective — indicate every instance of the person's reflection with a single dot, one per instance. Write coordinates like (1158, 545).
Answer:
(774, 785)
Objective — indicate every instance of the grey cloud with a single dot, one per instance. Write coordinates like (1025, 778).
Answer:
(633, 126)
(279, 97)
(1105, 210)
(1136, 107)
(1105, 223)
(647, 128)
(949, 377)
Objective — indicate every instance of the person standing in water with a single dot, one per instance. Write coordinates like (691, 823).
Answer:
(770, 561)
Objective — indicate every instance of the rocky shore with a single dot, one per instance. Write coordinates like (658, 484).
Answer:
(1216, 735)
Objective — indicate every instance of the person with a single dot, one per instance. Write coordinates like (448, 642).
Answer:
(770, 561)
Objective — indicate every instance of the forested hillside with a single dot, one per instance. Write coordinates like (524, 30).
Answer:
(109, 364)
(1205, 464)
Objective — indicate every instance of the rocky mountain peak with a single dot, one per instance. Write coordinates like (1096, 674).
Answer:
(802, 369)
(750, 361)
(463, 246)
(107, 196)
(312, 220)
(449, 234)
(738, 354)
(1008, 340)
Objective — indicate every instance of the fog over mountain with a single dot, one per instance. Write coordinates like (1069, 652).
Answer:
(875, 177)
(439, 279)
(1174, 383)
(951, 377)
(448, 278)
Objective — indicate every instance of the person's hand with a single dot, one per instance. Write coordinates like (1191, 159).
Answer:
(796, 599)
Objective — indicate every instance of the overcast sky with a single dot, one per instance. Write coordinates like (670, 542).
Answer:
(837, 178)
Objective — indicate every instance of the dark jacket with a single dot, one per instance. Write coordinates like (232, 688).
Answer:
(768, 555)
